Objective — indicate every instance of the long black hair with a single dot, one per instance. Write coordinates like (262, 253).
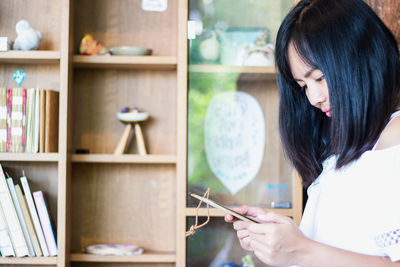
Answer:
(359, 58)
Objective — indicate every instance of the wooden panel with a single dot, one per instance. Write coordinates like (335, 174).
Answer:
(100, 94)
(41, 177)
(29, 157)
(30, 57)
(107, 158)
(121, 22)
(28, 261)
(100, 264)
(123, 204)
(389, 12)
(37, 76)
(42, 15)
(139, 62)
(147, 256)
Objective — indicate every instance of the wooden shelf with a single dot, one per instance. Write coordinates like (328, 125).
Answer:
(219, 213)
(30, 57)
(146, 257)
(212, 68)
(111, 158)
(133, 62)
(42, 157)
(29, 260)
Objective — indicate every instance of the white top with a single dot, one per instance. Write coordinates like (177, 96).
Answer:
(357, 207)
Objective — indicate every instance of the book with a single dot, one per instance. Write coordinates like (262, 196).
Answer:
(30, 119)
(20, 215)
(28, 220)
(36, 122)
(34, 215)
(16, 120)
(14, 226)
(6, 247)
(3, 119)
(47, 226)
(8, 121)
(42, 120)
(51, 135)
(23, 119)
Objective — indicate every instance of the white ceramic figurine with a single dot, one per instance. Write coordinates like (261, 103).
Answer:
(27, 37)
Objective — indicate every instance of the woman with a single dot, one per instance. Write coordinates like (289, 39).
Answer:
(339, 82)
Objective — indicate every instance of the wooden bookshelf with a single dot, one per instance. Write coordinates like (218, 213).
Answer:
(40, 157)
(29, 261)
(146, 257)
(129, 62)
(30, 57)
(106, 158)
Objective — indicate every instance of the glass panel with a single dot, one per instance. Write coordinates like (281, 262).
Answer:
(234, 146)
(216, 245)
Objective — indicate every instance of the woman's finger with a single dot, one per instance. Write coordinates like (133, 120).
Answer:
(242, 234)
(239, 225)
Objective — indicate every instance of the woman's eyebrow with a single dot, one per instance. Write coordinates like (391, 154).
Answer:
(308, 73)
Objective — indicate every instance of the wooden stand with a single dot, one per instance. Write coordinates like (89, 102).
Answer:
(123, 142)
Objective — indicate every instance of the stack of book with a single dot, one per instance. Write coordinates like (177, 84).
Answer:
(25, 225)
(28, 120)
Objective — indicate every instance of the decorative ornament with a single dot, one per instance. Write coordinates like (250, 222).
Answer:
(114, 250)
(19, 76)
(131, 117)
(27, 37)
(209, 49)
(260, 53)
(90, 46)
(234, 138)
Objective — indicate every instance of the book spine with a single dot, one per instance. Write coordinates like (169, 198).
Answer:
(51, 136)
(6, 247)
(42, 123)
(18, 209)
(3, 119)
(28, 219)
(34, 215)
(44, 217)
(36, 127)
(30, 105)
(17, 236)
(16, 120)
(23, 119)
(9, 97)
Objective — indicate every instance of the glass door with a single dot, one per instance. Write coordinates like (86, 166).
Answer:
(234, 146)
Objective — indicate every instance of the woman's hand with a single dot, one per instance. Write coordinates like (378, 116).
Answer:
(241, 226)
(276, 240)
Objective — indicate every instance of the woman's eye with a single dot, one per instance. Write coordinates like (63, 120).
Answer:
(320, 78)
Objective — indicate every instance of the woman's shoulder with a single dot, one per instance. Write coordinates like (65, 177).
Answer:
(390, 136)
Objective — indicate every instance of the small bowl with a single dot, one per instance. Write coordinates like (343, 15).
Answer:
(132, 116)
(130, 51)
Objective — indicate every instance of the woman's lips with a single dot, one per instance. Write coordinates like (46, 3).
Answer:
(328, 113)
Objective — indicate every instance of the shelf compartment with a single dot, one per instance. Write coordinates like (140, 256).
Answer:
(29, 260)
(145, 257)
(110, 158)
(219, 213)
(35, 157)
(30, 57)
(213, 68)
(131, 62)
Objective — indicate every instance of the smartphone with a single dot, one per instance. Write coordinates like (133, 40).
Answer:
(224, 209)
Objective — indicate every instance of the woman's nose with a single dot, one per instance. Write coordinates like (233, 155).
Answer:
(315, 96)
